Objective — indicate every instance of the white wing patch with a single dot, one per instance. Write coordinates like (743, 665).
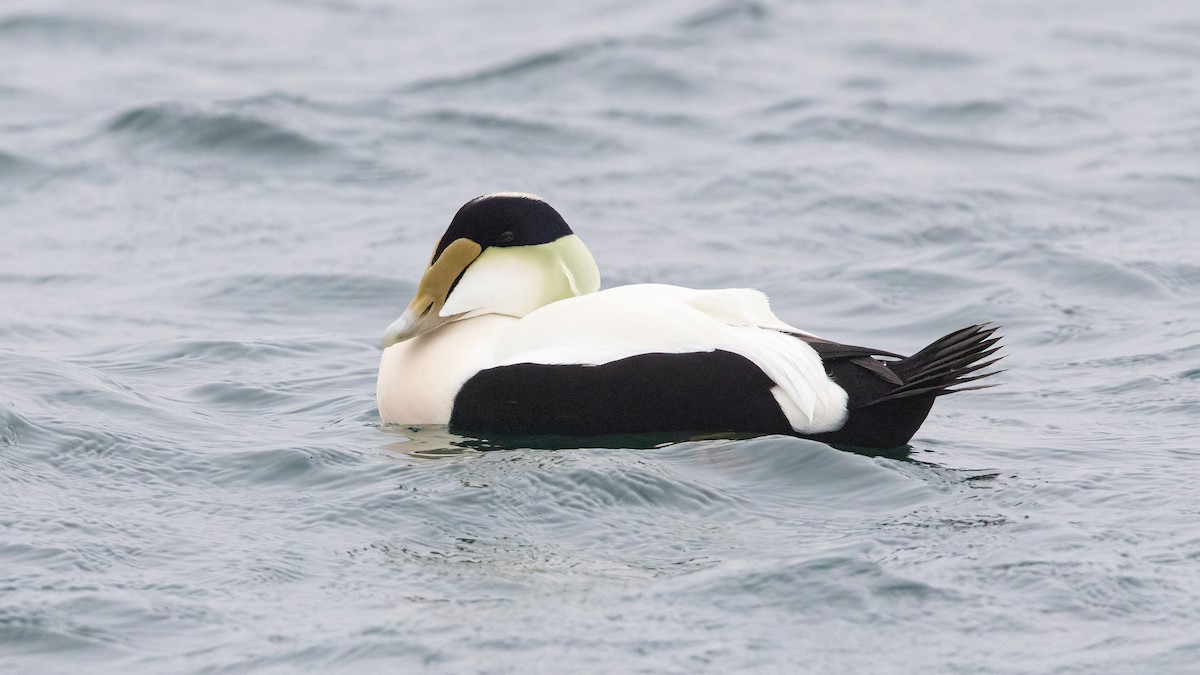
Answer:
(798, 373)
(653, 318)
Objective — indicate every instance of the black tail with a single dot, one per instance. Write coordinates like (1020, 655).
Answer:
(946, 363)
(889, 400)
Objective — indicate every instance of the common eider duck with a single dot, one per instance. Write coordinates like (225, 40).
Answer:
(509, 335)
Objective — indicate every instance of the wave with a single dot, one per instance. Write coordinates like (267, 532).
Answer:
(478, 130)
(1021, 115)
(330, 377)
(758, 474)
(520, 67)
(1088, 275)
(287, 297)
(266, 133)
(57, 28)
(616, 64)
(729, 13)
(1177, 278)
(186, 354)
(846, 129)
(16, 170)
(13, 428)
(11, 164)
(179, 128)
(910, 56)
(1125, 42)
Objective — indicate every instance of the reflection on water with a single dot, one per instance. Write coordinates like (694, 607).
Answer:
(432, 441)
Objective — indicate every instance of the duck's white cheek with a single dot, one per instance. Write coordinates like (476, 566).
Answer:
(516, 280)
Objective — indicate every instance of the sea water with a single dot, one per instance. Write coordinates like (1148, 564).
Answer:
(209, 212)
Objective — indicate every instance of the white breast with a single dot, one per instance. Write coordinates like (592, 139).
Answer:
(419, 378)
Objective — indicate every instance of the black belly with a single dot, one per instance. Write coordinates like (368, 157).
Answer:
(714, 391)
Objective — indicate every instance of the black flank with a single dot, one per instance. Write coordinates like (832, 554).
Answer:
(648, 393)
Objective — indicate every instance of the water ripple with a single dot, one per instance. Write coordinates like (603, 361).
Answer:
(58, 27)
(178, 128)
(518, 68)
(824, 128)
(15, 169)
(730, 13)
(911, 56)
(290, 295)
(524, 137)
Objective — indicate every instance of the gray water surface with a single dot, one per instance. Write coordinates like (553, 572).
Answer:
(209, 212)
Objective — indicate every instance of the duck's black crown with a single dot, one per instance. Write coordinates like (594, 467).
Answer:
(505, 219)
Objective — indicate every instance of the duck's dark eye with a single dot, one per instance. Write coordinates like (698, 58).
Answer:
(506, 237)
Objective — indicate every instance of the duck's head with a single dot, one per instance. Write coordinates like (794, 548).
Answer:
(504, 253)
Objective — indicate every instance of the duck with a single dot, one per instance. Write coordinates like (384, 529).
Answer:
(509, 334)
